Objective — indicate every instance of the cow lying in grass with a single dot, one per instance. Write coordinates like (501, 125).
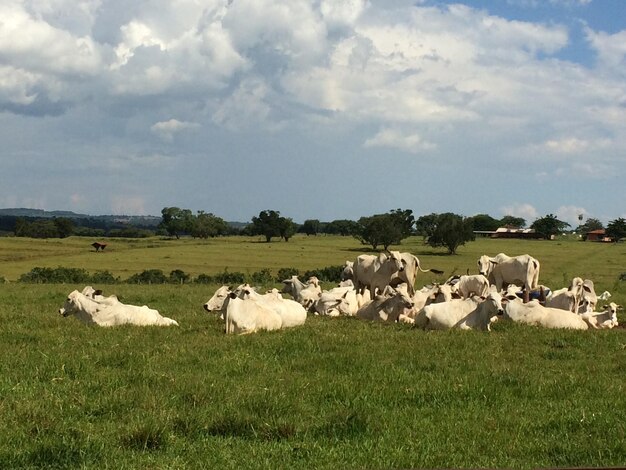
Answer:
(603, 320)
(246, 311)
(109, 311)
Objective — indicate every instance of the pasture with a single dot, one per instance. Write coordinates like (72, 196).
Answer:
(334, 393)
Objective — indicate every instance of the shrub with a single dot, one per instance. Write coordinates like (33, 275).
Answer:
(178, 276)
(150, 276)
(104, 277)
(327, 274)
(229, 278)
(262, 277)
(58, 275)
(286, 273)
(203, 279)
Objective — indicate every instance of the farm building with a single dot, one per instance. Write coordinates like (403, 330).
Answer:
(597, 236)
(509, 232)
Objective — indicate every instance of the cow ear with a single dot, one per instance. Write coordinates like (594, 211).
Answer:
(232, 295)
(97, 292)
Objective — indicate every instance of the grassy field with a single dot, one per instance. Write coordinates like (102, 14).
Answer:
(334, 393)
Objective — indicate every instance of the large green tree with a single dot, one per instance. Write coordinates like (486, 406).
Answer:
(616, 229)
(270, 224)
(311, 227)
(512, 221)
(451, 231)
(549, 226)
(176, 221)
(205, 225)
(385, 229)
(485, 222)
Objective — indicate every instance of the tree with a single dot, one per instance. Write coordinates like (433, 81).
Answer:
(311, 227)
(176, 221)
(379, 229)
(511, 221)
(207, 225)
(451, 231)
(268, 224)
(549, 226)
(287, 228)
(616, 229)
(425, 225)
(590, 225)
(484, 222)
(404, 221)
(342, 227)
(65, 227)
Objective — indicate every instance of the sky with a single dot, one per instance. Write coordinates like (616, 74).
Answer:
(319, 109)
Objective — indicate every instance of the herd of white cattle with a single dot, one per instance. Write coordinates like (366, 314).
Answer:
(381, 288)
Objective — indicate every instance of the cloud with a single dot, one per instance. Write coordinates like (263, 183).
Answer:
(128, 204)
(570, 214)
(167, 129)
(394, 138)
(523, 210)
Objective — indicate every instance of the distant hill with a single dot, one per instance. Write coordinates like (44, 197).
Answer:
(146, 221)
(140, 220)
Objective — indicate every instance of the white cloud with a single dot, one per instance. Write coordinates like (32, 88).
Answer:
(128, 204)
(167, 129)
(394, 138)
(523, 210)
(611, 48)
(570, 214)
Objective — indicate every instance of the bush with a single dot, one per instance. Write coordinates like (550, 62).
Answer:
(622, 277)
(150, 276)
(229, 278)
(203, 279)
(262, 277)
(327, 274)
(286, 273)
(178, 277)
(104, 277)
(58, 275)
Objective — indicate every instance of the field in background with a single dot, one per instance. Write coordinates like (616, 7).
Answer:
(560, 260)
(334, 393)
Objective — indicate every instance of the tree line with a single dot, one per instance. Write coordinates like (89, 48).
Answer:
(446, 230)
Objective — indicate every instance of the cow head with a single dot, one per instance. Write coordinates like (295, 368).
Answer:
(217, 301)
(71, 304)
(486, 265)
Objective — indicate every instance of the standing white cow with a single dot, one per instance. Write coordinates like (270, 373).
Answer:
(375, 272)
(107, 313)
(503, 269)
(411, 266)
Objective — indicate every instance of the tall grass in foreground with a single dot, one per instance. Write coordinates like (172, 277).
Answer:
(334, 393)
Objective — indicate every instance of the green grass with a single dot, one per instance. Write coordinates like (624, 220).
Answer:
(334, 393)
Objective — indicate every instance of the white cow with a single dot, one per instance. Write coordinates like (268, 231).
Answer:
(411, 265)
(348, 271)
(533, 313)
(387, 307)
(291, 312)
(585, 294)
(305, 294)
(375, 272)
(245, 316)
(106, 313)
(563, 299)
(603, 320)
(503, 269)
(216, 302)
(337, 301)
(471, 284)
(472, 313)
